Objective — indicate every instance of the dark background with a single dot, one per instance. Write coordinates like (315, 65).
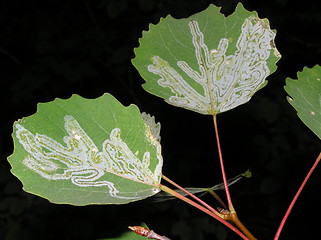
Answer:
(51, 49)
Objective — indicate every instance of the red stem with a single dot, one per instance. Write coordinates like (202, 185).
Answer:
(203, 209)
(287, 213)
(227, 191)
(192, 195)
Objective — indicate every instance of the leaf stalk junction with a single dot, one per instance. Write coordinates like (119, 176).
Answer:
(201, 205)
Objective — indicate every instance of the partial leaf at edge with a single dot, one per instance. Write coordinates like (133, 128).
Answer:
(207, 63)
(86, 151)
(305, 97)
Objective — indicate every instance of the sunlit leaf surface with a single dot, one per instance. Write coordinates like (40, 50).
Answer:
(207, 63)
(305, 97)
(87, 151)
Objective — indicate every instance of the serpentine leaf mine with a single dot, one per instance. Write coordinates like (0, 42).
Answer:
(227, 80)
(83, 163)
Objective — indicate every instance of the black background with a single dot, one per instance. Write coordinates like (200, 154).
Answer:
(51, 49)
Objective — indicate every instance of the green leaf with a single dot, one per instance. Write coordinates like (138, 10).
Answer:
(87, 151)
(207, 63)
(305, 97)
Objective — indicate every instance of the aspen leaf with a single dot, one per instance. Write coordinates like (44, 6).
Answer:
(207, 63)
(305, 97)
(87, 151)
